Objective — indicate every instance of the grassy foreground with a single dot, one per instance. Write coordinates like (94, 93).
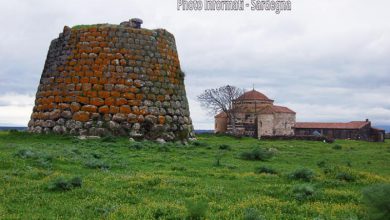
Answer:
(145, 180)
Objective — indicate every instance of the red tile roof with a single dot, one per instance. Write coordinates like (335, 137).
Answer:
(282, 109)
(253, 95)
(270, 109)
(331, 125)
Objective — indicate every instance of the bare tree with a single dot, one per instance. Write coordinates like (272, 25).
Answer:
(221, 100)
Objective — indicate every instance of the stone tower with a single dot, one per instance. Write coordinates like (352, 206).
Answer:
(113, 79)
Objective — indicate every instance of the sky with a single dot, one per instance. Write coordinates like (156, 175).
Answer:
(327, 61)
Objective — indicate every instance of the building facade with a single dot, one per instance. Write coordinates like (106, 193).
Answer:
(256, 116)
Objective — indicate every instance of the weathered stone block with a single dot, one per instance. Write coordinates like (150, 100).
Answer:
(104, 109)
(81, 116)
(119, 117)
(89, 108)
(97, 101)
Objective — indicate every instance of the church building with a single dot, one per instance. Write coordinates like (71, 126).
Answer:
(256, 116)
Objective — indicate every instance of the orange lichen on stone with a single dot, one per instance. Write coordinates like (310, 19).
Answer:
(139, 96)
(104, 109)
(58, 99)
(84, 80)
(89, 108)
(134, 102)
(161, 98)
(120, 101)
(114, 109)
(103, 94)
(109, 101)
(161, 119)
(74, 107)
(81, 116)
(63, 105)
(91, 93)
(82, 99)
(125, 109)
(130, 96)
(97, 101)
(115, 94)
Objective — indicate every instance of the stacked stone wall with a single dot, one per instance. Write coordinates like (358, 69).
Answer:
(112, 79)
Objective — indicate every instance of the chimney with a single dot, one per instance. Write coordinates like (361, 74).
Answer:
(367, 120)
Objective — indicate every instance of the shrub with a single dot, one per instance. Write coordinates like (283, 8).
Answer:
(340, 173)
(231, 167)
(163, 148)
(218, 158)
(97, 164)
(265, 169)
(337, 147)
(252, 214)
(153, 182)
(25, 153)
(224, 147)
(178, 168)
(96, 155)
(109, 138)
(199, 144)
(303, 192)
(76, 182)
(196, 210)
(159, 213)
(136, 146)
(257, 154)
(105, 210)
(377, 200)
(321, 163)
(44, 163)
(345, 176)
(40, 159)
(302, 174)
(61, 184)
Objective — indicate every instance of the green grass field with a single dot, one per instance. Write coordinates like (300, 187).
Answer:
(145, 180)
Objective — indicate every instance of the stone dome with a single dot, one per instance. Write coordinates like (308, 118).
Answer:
(253, 95)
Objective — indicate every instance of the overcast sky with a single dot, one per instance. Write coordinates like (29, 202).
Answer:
(326, 60)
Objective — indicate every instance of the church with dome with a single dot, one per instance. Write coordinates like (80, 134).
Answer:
(256, 116)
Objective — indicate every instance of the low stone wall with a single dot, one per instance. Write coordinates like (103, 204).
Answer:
(112, 79)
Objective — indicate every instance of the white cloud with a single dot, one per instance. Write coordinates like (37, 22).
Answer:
(18, 100)
(15, 109)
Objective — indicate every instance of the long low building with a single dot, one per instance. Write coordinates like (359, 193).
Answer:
(356, 130)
